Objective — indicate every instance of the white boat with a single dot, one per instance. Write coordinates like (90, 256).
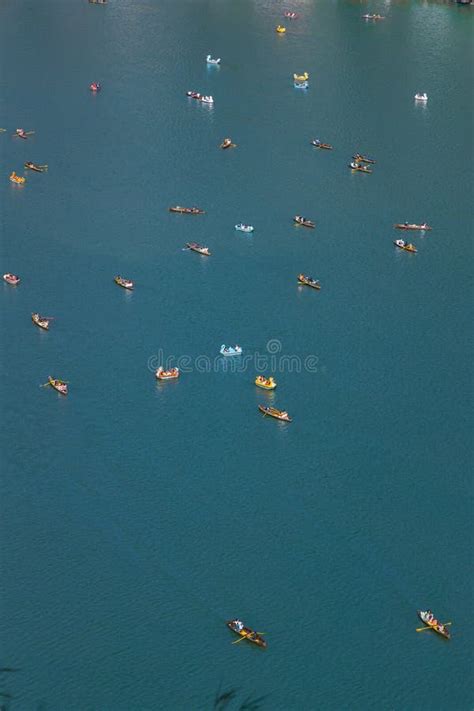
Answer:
(229, 351)
(12, 279)
(207, 99)
(244, 228)
(210, 60)
(421, 97)
(300, 84)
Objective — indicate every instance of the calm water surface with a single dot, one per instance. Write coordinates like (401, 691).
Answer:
(137, 517)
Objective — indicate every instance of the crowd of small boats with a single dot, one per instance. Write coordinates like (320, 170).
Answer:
(359, 163)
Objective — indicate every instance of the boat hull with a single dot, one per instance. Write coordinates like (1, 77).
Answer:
(11, 279)
(41, 323)
(264, 386)
(272, 412)
(311, 225)
(405, 247)
(228, 354)
(317, 286)
(419, 228)
(124, 285)
(58, 389)
(186, 210)
(437, 627)
(204, 251)
(248, 634)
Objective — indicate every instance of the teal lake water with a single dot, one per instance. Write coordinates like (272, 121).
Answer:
(137, 517)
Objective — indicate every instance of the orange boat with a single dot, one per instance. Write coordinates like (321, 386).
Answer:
(17, 179)
(163, 374)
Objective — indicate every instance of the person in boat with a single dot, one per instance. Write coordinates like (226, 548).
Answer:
(406, 224)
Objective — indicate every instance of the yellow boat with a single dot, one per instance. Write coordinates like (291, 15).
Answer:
(265, 383)
(280, 29)
(301, 77)
(407, 246)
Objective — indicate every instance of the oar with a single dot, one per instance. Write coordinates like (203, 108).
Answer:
(45, 384)
(422, 629)
(240, 640)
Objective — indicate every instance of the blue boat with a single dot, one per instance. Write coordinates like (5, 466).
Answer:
(300, 84)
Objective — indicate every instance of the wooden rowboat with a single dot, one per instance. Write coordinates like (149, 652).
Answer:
(358, 167)
(362, 159)
(124, 283)
(308, 281)
(187, 210)
(58, 385)
(429, 619)
(413, 226)
(40, 321)
(303, 221)
(195, 247)
(246, 633)
(318, 144)
(273, 412)
(33, 166)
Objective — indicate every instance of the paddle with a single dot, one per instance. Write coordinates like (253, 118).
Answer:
(245, 637)
(422, 629)
(240, 640)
